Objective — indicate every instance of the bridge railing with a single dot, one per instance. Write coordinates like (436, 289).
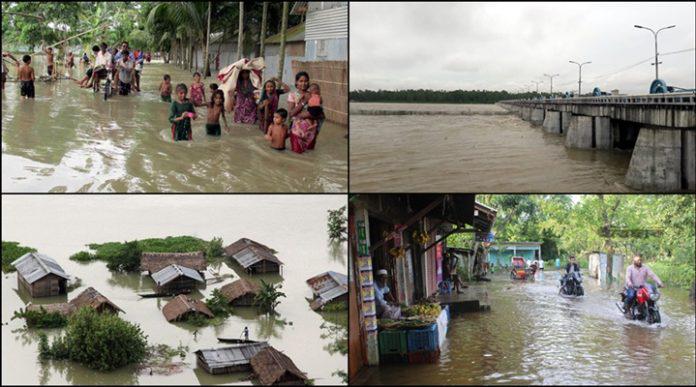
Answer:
(681, 99)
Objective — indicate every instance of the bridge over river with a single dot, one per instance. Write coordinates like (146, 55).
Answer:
(660, 128)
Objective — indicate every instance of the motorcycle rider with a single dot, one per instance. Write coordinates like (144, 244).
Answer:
(636, 275)
(571, 267)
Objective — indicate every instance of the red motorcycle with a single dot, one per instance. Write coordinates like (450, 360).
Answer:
(644, 305)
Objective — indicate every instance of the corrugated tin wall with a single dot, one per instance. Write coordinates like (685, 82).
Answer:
(327, 24)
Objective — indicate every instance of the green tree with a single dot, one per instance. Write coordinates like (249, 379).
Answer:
(337, 224)
(267, 299)
(214, 248)
(127, 258)
(10, 252)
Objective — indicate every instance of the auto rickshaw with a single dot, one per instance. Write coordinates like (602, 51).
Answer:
(518, 268)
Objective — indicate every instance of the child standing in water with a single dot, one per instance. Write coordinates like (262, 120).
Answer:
(49, 61)
(26, 77)
(278, 130)
(126, 67)
(166, 89)
(215, 109)
(268, 104)
(197, 90)
(180, 114)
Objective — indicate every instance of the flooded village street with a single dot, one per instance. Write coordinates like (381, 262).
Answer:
(531, 335)
(483, 149)
(295, 226)
(70, 140)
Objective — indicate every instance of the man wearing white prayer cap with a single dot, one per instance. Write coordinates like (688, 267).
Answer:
(382, 292)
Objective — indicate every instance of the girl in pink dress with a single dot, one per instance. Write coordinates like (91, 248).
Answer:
(197, 90)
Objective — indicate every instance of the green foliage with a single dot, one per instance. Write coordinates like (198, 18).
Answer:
(674, 274)
(341, 374)
(125, 258)
(267, 299)
(83, 256)
(217, 303)
(10, 252)
(40, 318)
(335, 306)
(196, 319)
(337, 224)
(338, 336)
(437, 96)
(99, 341)
(163, 353)
(214, 248)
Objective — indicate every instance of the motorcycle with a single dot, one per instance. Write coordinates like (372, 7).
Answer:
(644, 306)
(571, 285)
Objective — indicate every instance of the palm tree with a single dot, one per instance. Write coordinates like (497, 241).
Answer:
(263, 28)
(267, 299)
(240, 31)
(283, 30)
(207, 44)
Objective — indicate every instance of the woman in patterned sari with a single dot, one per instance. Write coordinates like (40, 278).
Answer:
(244, 105)
(303, 130)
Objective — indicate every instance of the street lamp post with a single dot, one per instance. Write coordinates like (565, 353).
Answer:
(551, 79)
(537, 85)
(579, 75)
(655, 35)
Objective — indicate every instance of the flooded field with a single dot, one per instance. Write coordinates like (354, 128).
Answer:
(533, 336)
(293, 225)
(70, 140)
(471, 153)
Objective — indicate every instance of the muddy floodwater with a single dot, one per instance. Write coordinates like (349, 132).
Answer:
(486, 152)
(531, 335)
(69, 139)
(293, 225)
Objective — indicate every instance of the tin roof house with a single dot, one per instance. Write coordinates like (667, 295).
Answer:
(254, 257)
(328, 287)
(40, 275)
(229, 359)
(241, 292)
(175, 279)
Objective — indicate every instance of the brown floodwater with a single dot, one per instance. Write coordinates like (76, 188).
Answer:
(69, 139)
(534, 336)
(484, 152)
(293, 225)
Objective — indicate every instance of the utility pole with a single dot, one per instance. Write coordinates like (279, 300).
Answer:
(655, 35)
(579, 75)
(537, 85)
(551, 79)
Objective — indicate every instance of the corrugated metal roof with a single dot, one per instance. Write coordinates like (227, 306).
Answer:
(230, 356)
(253, 254)
(327, 24)
(172, 272)
(329, 285)
(34, 266)
(293, 34)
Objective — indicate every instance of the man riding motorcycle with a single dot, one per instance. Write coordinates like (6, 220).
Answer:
(572, 272)
(636, 276)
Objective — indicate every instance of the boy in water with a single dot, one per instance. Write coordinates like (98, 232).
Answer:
(166, 89)
(49, 62)
(26, 77)
(278, 130)
(126, 66)
(181, 112)
(215, 109)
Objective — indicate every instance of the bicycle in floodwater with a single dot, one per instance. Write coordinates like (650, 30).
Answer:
(108, 90)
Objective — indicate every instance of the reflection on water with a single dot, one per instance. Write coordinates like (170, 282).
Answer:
(293, 225)
(68, 139)
(533, 336)
(474, 153)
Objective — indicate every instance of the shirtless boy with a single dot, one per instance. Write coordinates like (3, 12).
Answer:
(215, 110)
(49, 62)
(26, 77)
(278, 130)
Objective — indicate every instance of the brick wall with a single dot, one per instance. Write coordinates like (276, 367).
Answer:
(332, 78)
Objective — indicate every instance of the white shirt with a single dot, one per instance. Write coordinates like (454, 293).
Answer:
(541, 264)
(103, 59)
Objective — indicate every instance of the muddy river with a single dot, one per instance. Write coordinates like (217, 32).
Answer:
(533, 336)
(70, 139)
(293, 225)
(486, 152)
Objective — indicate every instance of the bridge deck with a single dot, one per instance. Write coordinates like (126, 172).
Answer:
(673, 99)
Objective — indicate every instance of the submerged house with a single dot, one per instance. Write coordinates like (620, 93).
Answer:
(229, 359)
(254, 257)
(154, 262)
(40, 275)
(328, 287)
(90, 297)
(175, 279)
(241, 292)
(181, 306)
(273, 367)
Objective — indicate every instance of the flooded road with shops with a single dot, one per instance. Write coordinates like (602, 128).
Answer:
(533, 336)
(295, 226)
(69, 139)
(480, 149)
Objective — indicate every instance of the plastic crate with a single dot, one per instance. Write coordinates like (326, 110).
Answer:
(422, 339)
(392, 342)
(424, 357)
(393, 358)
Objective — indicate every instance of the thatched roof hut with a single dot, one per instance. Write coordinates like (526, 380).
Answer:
(241, 292)
(182, 305)
(95, 300)
(154, 262)
(253, 256)
(62, 308)
(273, 367)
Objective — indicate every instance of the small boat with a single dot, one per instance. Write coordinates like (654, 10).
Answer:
(237, 341)
(153, 295)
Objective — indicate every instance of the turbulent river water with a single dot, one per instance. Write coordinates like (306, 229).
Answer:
(293, 225)
(69, 139)
(480, 150)
(531, 335)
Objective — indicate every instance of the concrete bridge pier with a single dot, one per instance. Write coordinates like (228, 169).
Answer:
(537, 116)
(526, 113)
(689, 159)
(580, 132)
(552, 122)
(603, 133)
(565, 122)
(656, 162)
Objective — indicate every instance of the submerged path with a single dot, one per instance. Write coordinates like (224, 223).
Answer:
(69, 139)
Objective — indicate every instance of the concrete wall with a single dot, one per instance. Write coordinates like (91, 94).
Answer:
(689, 158)
(603, 133)
(552, 122)
(580, 132)
(656, 161)
(332, 77)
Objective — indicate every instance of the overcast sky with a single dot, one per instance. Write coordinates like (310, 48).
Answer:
(498, 46)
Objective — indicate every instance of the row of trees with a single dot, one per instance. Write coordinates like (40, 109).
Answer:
(661, 227)
(438, 96)
(177, 29)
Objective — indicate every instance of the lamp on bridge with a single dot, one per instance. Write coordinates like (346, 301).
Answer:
(580, 75)
(655, 35)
